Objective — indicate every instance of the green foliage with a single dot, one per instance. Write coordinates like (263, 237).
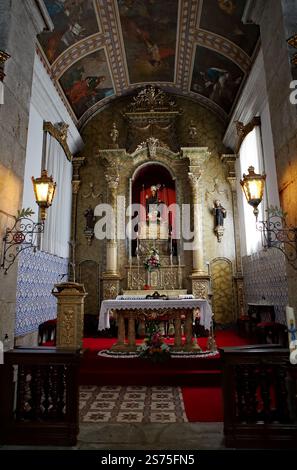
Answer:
(24, 213)
(274, 211)
(154, 347)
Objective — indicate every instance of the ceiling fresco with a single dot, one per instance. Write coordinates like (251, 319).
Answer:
(223, 17)
(100, 49)
(87, 82)
(73, 21)
(149, 30)
(216, 77)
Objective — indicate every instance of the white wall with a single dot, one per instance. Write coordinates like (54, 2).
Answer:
(46, 105)
(254, 102)
(272, 195)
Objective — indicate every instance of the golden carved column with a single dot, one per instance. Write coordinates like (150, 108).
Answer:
(199, 277)
(230, 160)
(111, 278)
(70, 317)
(198, 261)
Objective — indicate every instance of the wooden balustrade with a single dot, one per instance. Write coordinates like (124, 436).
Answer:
(39, 397)
(260, 401)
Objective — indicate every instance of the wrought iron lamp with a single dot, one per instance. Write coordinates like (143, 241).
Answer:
(44, 189)
(253, 188)
(275, 233)
(25, 231)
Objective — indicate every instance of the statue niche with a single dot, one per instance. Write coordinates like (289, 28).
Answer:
(154, 189)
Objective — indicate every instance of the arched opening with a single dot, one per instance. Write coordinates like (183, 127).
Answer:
(153, 187)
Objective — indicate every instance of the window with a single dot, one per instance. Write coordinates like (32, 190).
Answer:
(250, 154)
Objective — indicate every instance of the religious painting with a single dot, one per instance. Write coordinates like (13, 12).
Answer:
(87, 81)
(149, 33)
(73, 21)
(216, 77)
(223, 17)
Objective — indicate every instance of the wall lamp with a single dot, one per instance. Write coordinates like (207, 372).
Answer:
(25, 231)
(275, 233)
(253, 188)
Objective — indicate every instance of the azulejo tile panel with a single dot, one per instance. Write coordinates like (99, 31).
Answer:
(265, 280)
(37, 274)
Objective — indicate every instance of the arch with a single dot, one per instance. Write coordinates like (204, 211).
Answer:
(152, 162)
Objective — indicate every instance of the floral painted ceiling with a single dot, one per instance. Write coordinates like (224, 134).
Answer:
(101, 49)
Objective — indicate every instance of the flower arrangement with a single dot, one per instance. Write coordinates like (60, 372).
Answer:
(154, 346)
(153, 260)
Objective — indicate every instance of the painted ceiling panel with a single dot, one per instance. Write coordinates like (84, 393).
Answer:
(223, 17)
(216, 77)
(73, 20)
(87, 82)
(103, 48)
(149, 31)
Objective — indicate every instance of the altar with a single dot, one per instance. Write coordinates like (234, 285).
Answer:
(156, 310)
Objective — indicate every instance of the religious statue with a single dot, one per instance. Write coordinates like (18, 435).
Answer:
(152, 202)
(114, 134)
(90, 224)
(220, 214)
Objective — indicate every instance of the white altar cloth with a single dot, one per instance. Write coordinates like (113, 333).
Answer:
(179, 304)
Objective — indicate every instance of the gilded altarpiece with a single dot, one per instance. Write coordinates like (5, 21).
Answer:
(153, 129)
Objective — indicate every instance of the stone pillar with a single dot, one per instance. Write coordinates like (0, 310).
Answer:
(229, 160)
(200, 279)
(198, 260)
(70, 314)
(111, 278)
(20, 22)
(77, 162)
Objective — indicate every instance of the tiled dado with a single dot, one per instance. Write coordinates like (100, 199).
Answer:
(265, 279)
(37, 274)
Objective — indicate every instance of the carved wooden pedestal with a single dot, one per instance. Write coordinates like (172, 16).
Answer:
(70, 318)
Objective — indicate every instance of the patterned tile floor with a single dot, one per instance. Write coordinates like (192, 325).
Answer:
(133, 404)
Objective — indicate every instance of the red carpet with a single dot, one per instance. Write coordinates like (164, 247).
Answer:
(204, 404)
(97, 370)
(199, 378)
(223, 338)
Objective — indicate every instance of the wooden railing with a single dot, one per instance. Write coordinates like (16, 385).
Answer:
(39, 397)
(260, 401)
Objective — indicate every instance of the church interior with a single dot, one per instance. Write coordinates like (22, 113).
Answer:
(148, 214)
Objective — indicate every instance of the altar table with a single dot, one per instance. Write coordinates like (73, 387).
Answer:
(148, 309)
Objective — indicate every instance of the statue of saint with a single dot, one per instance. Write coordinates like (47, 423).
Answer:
(152, 202)
(90, 219)
(220, 213)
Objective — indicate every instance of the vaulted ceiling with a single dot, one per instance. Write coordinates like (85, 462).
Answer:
(101, 49)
